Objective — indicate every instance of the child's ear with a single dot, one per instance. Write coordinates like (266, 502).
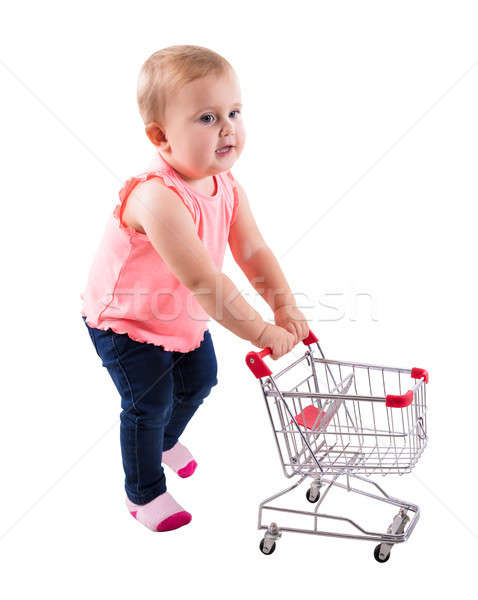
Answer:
(155, 134)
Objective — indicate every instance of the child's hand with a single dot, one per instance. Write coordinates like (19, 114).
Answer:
(277, 339)
(292, 319)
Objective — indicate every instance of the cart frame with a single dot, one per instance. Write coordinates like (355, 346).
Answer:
(307, 448)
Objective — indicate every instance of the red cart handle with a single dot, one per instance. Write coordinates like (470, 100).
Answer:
(258, 366)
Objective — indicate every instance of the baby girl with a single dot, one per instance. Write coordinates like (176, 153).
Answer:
(157, 278)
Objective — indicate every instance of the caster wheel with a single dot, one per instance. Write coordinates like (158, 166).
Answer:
(310, 498)
(267, 552)
(376, 554)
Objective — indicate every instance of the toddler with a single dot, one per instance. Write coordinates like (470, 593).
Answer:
(157, 275)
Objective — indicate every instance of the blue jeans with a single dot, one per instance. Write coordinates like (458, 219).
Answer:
(160, 391)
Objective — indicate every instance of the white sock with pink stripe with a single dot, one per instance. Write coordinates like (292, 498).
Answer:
(180, 460)
(163, 513)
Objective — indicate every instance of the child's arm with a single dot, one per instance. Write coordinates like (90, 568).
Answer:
(170, 228)
(261, 267)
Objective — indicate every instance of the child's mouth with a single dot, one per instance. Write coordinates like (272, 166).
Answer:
(225, 150)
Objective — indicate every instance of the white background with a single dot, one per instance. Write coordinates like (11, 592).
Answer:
(361, 128)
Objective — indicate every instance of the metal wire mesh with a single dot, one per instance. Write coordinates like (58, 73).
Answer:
(330, 415)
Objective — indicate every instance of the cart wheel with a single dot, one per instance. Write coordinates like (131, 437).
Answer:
(264, 551)
(310, 498)
(376, 554)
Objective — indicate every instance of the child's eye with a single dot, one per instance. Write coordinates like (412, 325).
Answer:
(210, 115)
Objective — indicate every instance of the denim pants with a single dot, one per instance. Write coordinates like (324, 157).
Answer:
(160, 391)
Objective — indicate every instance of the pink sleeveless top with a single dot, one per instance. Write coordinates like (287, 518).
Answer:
(131, 290)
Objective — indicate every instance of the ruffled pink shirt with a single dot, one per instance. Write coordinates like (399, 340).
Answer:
(131, 290)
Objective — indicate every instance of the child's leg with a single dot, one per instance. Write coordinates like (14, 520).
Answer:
(194, 376)
(143, 375)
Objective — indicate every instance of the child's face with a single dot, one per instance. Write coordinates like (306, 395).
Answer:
(205, 115)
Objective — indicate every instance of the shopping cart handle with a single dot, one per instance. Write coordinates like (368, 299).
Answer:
(258, 366)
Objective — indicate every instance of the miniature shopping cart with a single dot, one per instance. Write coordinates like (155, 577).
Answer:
(333, 419)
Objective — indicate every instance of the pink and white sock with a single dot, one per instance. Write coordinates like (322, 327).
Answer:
(163, 513)
(180, 460)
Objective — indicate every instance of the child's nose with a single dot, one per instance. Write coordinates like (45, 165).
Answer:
(228, 126)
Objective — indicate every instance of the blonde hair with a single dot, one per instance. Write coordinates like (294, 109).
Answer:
(167, 70)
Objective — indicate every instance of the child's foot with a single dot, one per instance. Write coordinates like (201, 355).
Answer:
(179, 459)
(163, 513)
